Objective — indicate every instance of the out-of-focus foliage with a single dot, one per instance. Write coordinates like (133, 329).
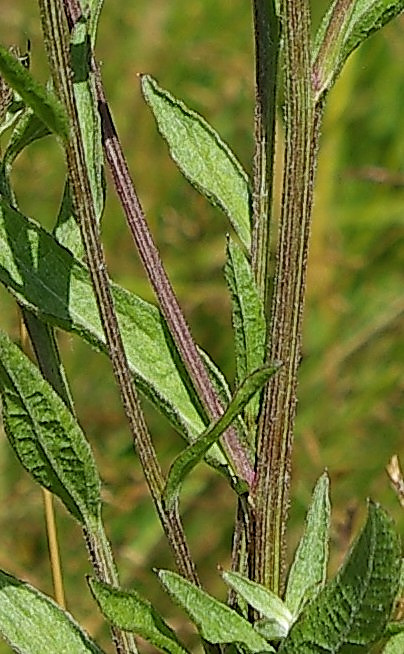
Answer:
(349, 392)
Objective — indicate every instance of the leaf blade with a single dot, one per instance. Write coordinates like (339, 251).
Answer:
(44, 103)
(216, 622)
(309, 568)
(344, 27)
(45, 436)
(248, 322)
(188, 458)
(33, 624)
(352, 610)
(128, 611)
(262, 600)
(204, 159)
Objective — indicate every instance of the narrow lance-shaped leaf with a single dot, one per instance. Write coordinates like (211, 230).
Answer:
(95, 7)
(45, 436)
(216, 622)
(345, 26)
(188, 458)
(308, 571)
(204, 159)
(267, 603)
(48, 280)
(351, 612)
(33, 624)
(27, 129)
(43, 102)
(88, 115)
(248, 322)
(128, 611)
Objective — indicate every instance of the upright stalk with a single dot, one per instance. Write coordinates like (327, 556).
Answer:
(274, 445)
(56, 38)
(266, 37)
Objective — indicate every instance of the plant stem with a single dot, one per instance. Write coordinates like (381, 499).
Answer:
(274, 446)
(56, 39)
(266, 31)
(41, 338)
(53, 544)
(150, 257)
(161, 284)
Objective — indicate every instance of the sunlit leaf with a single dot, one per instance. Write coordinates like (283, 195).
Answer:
(308, 571)
(48, 280)
(194, 453)
(248, 321)
(33, 624)
(344, 27)
(279, 618)
(88, 115)
(351, 612)
(202, 156)
(394, 645)
(27, 129)
(216, 622)
(128, 611)
(45, 436)
(43, 102)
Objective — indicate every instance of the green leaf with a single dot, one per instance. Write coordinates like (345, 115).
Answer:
(67, 231)
(248, 322)
(265, 602)
(33, 624)
(351, 612)
(216, 622)
(89, 117)
(395, 627)
(394, 645)
(344, 27)
(128, 611)
(308, 571)
(188, 458)
(45, 436)
(27, 129)
(202, 156)
(46, 279)
(44, 103)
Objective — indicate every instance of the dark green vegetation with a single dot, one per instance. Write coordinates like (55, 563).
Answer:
(348, 414)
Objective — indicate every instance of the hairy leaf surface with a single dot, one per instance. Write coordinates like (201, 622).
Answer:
(201, 155)
(43, 102)
(194, 453)
(46, 437)
(248, 321)
(279, 618)
(308, 571)
(351, 612)
(216, 622)
(33, 624)
(128, 611)
(344, 27)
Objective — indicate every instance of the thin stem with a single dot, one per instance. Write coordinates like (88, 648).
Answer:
(266, 32)
(277, 418)
(40, 337)
(53, 545)
(56, 39)
(150, 257)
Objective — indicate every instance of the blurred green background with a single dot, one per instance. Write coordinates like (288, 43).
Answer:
(349, 414)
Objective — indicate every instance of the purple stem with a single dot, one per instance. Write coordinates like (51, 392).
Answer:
(157, 275)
